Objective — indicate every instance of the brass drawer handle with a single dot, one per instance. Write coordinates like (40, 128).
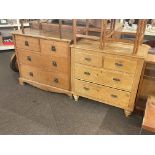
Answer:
(86, 73)
(86, 88)
(53, 48)
(26, 43)
(56, 80)
(87, 59)
(113, 96)
(116, 79)
(118, 64)
(54, 63)
(31, 73)
(29, 58)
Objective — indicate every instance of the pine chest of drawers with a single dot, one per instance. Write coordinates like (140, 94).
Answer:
(44, 61)
(109, 76)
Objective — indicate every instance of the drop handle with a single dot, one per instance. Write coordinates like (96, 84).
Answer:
(26, 43)
(86, 73)
(56, 80)
(31, 73)
(29, 58)
(118, 64)
(87, 59)
(53, 48)
(85, 88)
(54, 63)
(116, 79)
(113, 96)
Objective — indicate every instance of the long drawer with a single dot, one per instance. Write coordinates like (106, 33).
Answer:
(54, 48)
(88, 58)
(120, 63)
(109, 95)
(50, 78)
(104, 77)
(56, 64)
(29, 43)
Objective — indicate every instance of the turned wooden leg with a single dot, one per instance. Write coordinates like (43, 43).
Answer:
(21, 82)
(76, 97)
(127, 113)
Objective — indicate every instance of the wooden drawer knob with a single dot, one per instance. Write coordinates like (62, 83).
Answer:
(87, 59)
(113, 96)
(29, 58)
(116, 79)
(26, 43)
(56, 80)
(53, 48)
(118, 64)
(31, 73)
(54, 63)
(86, 73)
(85, 88)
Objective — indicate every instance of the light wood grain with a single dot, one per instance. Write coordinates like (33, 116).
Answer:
(119, 63)
(29, 43)
(116, 81)
(149, 117)
(108, 95)
(50, 78)
(54, 48)
(44, 86)
(43, 69)
(56, 64)
(87, 58)
(104, 77)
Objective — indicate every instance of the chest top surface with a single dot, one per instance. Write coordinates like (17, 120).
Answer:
(118, 48)
(66, 36)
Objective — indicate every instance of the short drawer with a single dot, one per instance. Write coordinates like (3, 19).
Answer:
(34, 59)
(28, 43)
(87, 73)
(104, 77)
(116, 97)
(105, 94)
(88, 59)
(55, 48)
(50, 78)
(87, 89)
(120, 64)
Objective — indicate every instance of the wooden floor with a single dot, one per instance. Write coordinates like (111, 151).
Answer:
(28, 110)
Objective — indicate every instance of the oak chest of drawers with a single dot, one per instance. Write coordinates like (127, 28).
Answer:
(44, 61)
(109, 75)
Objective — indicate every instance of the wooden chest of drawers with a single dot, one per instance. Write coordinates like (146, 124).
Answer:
(109, 76)
(43, 61)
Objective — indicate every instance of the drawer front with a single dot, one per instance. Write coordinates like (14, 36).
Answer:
(56, 64)
(109, 95)
(87, 89)
(59, 80)
(120, 64)
(55, 48)
(50, 78)
(88, 59)
(34, 74)
(28, 43)
(29, 58)
(117, 79)
(59, 64)
(104, 77)
(87, 73)
(116, 97)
